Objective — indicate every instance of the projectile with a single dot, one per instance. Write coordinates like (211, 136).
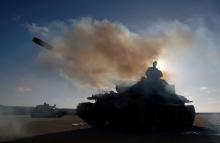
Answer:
(42, 43)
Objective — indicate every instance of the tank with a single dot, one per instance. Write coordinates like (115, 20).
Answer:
(151, 103)
(46, 111)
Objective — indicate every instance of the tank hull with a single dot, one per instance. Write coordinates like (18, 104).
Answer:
(46, 111)
(47, 115)
(138, 117)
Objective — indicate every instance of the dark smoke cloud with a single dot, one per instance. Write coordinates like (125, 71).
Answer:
(99, 53)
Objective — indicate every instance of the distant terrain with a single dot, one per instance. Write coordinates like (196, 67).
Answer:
(23, 110)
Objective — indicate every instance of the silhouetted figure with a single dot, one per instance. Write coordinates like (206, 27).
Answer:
(153, 73)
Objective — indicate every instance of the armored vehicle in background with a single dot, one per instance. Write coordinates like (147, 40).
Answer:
(46, 111)
(150, 103)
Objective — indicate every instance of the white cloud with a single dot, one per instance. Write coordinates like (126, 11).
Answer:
(35, 29)
(207, 90)
(23, 89)
(203, 88)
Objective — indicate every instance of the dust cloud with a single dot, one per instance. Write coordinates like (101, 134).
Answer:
(102, 53)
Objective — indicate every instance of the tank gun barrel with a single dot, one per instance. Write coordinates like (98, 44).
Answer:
(42, 43)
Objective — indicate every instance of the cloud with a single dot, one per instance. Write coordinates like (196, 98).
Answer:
(202, 88)
(38, 30)
(100, 53)
(23, 89)
(207, 90)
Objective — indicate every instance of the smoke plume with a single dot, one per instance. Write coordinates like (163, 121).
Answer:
(102, 53)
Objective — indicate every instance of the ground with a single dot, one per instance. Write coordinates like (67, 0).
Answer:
(72, 129)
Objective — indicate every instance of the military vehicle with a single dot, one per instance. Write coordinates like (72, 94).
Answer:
(46, 111)
(150, 103)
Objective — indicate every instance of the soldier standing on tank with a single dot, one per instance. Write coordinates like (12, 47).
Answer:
(153, 73)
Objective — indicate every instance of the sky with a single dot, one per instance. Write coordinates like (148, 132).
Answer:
(190, 29)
